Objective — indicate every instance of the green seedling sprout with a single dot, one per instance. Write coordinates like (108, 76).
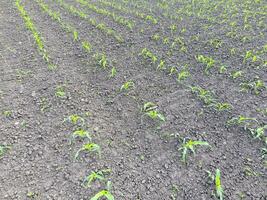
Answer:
(236, 74)
(182, 75)
(113, 72)
(241, 120)
(86, 46)
(93, 176)
(75, 119)
(219, 190)
(127, 85)
(150, 109)
(161, 65)
(89, 147)
(4, 149)
(204, 95)
(60, 92)
(190, 145)
(104, 193)
(75, 35)
(258, 132)
(217, 181)
(222, 106)
(208, 61)
(80, 133)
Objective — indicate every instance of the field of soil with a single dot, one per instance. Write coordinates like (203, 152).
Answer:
(133, 100)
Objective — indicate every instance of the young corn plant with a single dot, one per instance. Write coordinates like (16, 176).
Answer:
(4, 149)
(222, 106)
(183, 74)
(241, 120)
(104, 193)
(127, 86)
(217, 181)
(93, 176)
(150, 109)
(204, 95)
(81, 133)
(113, 72)
(75, 119)
(256, 86)
(60, 91)
(208, 61)
(149, 55)
(190, 145)
(89, 147)
(236, 74)
(101, 60)
(259, 132)
(161, 65)
(86, 46)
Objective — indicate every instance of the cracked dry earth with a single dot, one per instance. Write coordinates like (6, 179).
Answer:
(141, 153)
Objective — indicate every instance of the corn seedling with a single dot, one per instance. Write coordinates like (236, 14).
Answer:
(113, 72)
(161, 65)
(148, 54)
(104, 193)
(86, 46)
(241, 120)
(81, 133)
(150, 109)
(75, 119)
(256, 86)
(208, 61)
(236, 74)
(222, 106)
(217, 181)
(93, 176)
(258, 132)
(183, 74)
(127, 85)
(204, 95)
(173, 70)
(190, 145)
(75, 36)
(60, 91)
(7, 113)
(101, 60)
(4, 149)
(156, 37)
(222, 69)
(89, 147)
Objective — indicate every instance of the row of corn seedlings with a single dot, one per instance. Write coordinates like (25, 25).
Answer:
(101, 58)
(117, 18)
(122, 8)
(37, 37)
(100, 26)
(80, 132)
